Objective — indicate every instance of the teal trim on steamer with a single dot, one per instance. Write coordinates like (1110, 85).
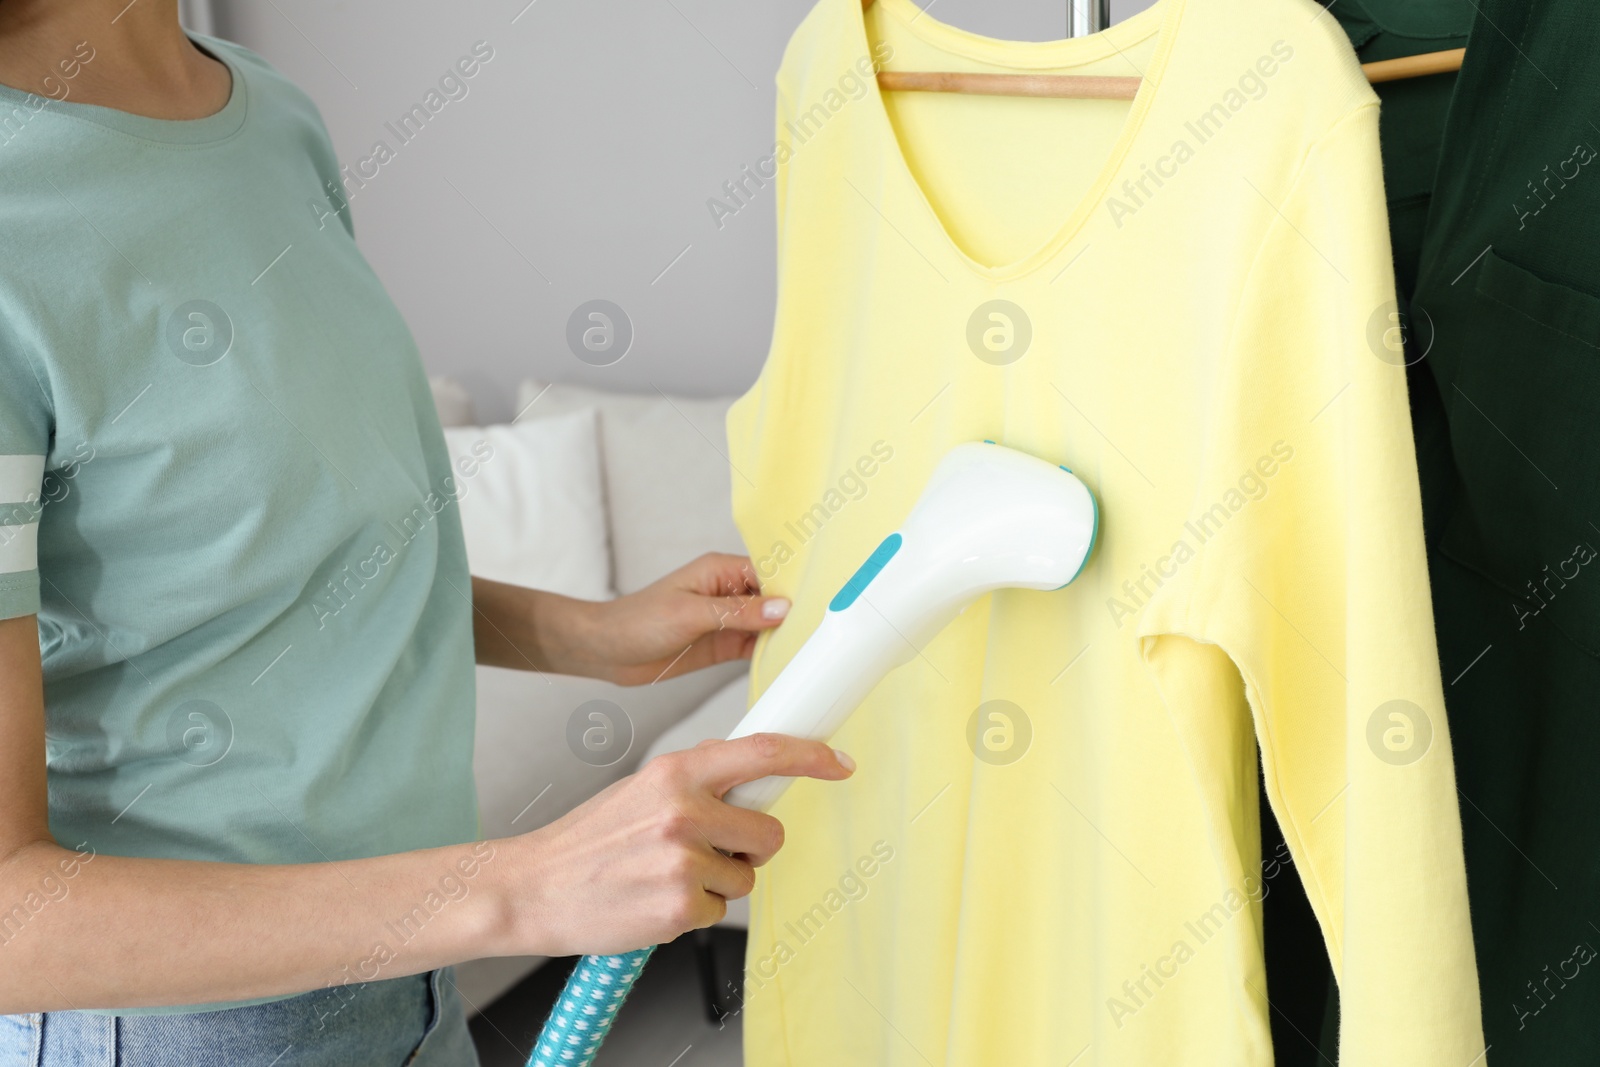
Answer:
(865, 573)
(1094, 537)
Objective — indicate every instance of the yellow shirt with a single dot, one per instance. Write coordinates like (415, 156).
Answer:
(1196, 296)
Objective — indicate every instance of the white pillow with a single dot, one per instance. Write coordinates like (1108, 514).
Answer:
(452, 401)
(711, 721)
(668, 487)
(531, 503)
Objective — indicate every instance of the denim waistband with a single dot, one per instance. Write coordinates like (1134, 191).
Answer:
(415, 1021)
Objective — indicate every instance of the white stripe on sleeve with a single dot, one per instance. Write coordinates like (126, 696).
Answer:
(19, 548)
(20, 478)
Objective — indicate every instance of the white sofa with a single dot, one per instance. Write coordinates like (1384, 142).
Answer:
(666, 496)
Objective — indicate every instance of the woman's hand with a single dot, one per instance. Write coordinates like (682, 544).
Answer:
(658, 853)
(708, 612)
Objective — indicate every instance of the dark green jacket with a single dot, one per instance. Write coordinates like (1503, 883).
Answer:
(1493, 180)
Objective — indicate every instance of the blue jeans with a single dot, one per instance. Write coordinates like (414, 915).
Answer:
(415, 1021)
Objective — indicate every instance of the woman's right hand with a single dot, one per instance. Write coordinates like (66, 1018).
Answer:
(635, 866)
(658, 853)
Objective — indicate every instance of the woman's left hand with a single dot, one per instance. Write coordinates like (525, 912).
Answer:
(708, 612)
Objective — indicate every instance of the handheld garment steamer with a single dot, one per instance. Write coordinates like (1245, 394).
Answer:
(990, 518)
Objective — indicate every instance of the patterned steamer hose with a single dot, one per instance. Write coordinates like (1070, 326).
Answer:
(586, 1009)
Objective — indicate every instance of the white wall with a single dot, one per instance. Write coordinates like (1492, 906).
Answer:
(578, 166)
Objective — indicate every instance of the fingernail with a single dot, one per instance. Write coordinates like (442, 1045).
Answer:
(776, 608)
(844, 759)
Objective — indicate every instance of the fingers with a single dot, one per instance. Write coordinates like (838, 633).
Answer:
(721, 767)
(716, 845)
(750, 835)
(729, 877)
(708, 910)
(734, 591)
(721, 574)
(750, 614)
(707, 651)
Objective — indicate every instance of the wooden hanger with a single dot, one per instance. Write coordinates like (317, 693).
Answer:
(1110, 87)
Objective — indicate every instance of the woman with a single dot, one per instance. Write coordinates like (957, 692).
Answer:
(236, 656)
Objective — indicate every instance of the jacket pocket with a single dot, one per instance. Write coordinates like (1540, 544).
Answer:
(1524, 401)
(1556, 309)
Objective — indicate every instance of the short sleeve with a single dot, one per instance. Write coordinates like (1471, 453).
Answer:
(1313, 580)
(24, 443)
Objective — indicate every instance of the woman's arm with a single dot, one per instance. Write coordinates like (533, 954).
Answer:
(636, 865)
(708, 612)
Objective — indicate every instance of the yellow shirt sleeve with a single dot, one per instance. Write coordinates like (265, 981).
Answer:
(1316, 591)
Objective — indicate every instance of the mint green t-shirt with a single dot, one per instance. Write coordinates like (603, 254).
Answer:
(225, 492)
